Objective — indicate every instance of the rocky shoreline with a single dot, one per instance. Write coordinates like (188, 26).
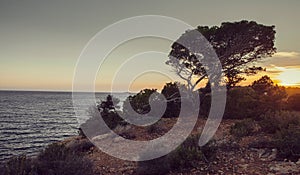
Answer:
(233, 156)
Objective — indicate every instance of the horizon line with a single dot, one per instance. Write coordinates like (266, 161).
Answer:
(106, 91)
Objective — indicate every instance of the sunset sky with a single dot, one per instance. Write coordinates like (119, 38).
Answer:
(42, 40)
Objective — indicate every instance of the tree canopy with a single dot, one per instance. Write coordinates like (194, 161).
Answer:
(270, 95)
(237, 44)
(293, 102)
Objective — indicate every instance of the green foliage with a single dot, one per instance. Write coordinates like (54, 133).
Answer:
(241, 103)
(60, 160)
(285, 127)
(157, 128)
(112, 119)
(272, 122)
(242, 128)
(55, 152)
(19, 165)
(91, 126)
(105, 110)
(263, 85)
(187, 155)
(249, 102)
(270, 97)
(237, 44)
(80, 145)
(205, 104)
(127, 135)
(287, 141)
(56, 159)
(110, 104)
(293, 102)
(139, 102)
(172, 94)
(158, 166)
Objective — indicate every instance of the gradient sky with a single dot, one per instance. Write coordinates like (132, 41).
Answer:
(42, 40)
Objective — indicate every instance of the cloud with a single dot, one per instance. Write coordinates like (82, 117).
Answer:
(287, 54)
(283, 59)
(273, 71)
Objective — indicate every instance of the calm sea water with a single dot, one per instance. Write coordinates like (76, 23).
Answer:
(31, 120)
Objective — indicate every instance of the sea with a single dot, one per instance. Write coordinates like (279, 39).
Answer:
(30, 120)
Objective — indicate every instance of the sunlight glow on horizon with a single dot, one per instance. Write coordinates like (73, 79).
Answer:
(289, 76)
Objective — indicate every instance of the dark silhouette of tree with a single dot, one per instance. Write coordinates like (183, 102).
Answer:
(109, 104)
(172, 94)
(241, 103)
(263, 86)
(108, 112)
(293, 102)
(139, 102)
(238, 45)
(270, 96)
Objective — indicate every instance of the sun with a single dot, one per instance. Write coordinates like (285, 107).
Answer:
(289, 76)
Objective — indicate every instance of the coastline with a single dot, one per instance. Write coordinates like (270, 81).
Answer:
(233, 156)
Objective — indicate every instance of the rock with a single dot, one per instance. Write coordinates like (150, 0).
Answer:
(273, 154)
(284, 168)
(220, 171)
(244, 166)
(267, 154)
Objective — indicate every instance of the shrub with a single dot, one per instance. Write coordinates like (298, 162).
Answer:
(81, 133)
(270, 96)
(108, 111)
(105, 110)
(172, 94)
(127, 135)
(293, 102)
(157, 128)
(271, 122)
(152, 129)
(80, 145)
(187, 155)
(19, 165)
(56, 159)
(287, 141)
(205, 103)
(91, 126)
(285, 127)
(112, 119)
(139, 102)
(241, 103)
(138, 107)
(242, 128)
(249, 102)
(157, 166)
